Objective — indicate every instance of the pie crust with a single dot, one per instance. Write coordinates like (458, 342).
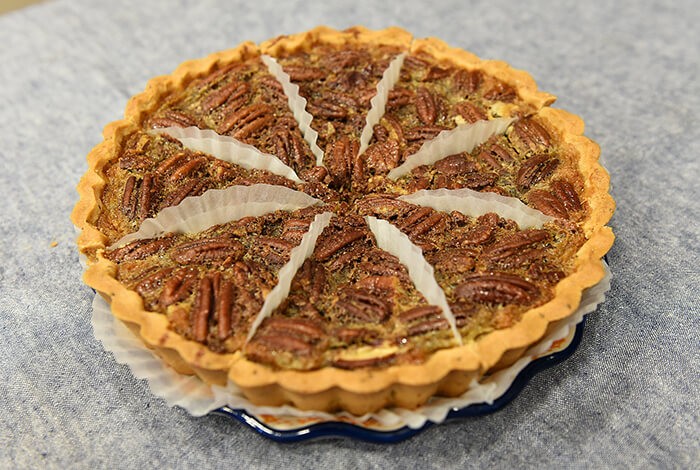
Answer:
(446, 371)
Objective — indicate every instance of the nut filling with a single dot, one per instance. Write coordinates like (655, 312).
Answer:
(532, 219)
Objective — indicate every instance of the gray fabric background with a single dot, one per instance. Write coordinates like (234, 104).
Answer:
(627, 398)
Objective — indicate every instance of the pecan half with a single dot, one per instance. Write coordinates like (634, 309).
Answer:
(247, 120)
(381, 157)
(327, 109)
(178, 287)
(482, 232)
(233, 92)
(454, 165)
(331, 244)
(548, 203)
(515, 243)
(140, 249)
(500, 91)
(567, 195)
(173, 118)
(453, 260)
(534, 170)
(363, 306)
(302, 73)
(426, 108)
(467, 81)
(496, 288)
(532, 134)
(208, 250)
(470, 112)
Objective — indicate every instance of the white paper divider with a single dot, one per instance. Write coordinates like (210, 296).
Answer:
(463, 138)
(378, 102)
(218, 206)
(396, 243)
(228, 149)
(286, 274)
(474, 204)
(297, 104)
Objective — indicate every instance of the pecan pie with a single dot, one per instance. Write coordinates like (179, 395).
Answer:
(343, 219)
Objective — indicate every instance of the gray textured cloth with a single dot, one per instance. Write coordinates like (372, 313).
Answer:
(628, 397)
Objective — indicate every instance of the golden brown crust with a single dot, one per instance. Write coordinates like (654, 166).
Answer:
(284, 45)
(447, 372)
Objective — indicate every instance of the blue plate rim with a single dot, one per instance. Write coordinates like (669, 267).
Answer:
(340, 429)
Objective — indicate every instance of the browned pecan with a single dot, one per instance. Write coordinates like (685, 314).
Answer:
(129, 197)
(346, 258)
(413, 62)
(566, 193)
(315, 174)
(343, 99)
(512, 244)
(381, 157)
(147, 196)
(293, 230)
(421, 313)
(493, 155)
(173, 161)
(454, 165)
(173, 118)
(350, 335)
(381, 134)
(435, 221)
(201, 309)
(532, 134)
(178, 287)
(548, 203)
(224, 304)
(188, 168)
(378, 283)
(208, 250)
(469, 111)
(289, 147)
(342, 60)
(140, 249)
(467, 81)
(134, 161)
(426, 326)
(482, 232)
(471, 179)
(303, 73)
(298, 327)
(436, 73)
(500, 91)
(153, 282)
(414, 217)
(426, 107)
(246, 120)
(539, 271)
(340, 156)
(534, 170)
(382, 264)
(327, 109)
(398, 97)
(360, 305)
(453, 260)
(395, 128)
(273, 87)
(232, 92)
(192, 187)
(496, 288)
(382, 205)
(331, 244)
